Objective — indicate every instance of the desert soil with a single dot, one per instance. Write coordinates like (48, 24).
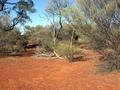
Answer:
(29, 73)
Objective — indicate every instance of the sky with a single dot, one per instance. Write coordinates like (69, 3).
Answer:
(38, 18)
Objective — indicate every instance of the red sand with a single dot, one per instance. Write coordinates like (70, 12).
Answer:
(27, 73)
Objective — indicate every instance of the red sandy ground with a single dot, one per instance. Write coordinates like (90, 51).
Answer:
(28, 73)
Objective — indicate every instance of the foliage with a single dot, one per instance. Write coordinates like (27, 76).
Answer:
(105, 31)
(20, 8)
(41, 36)
(11, 41)
(56, 6)
(63, 49)
(54, 10)
(111, 63)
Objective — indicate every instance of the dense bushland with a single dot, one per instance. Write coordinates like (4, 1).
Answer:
(104, 34)
(46, 47)
(11, 41)
(92, 22)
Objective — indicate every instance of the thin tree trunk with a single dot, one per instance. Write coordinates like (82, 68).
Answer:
(71, 46)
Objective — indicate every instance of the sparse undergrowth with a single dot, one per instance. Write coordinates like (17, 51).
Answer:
(62, 51)
(67, 51)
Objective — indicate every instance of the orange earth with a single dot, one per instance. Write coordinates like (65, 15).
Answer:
(29, 73)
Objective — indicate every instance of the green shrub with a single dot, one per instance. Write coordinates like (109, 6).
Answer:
(110, 63)
(11, 41)
(66, 51)
(109, 43)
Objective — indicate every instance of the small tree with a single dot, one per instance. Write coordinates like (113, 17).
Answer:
(105, 15)
(54, 9)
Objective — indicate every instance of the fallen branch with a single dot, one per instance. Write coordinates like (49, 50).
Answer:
(58, 56)
(46, 55)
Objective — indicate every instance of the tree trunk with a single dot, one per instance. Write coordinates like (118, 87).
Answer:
(71, 47)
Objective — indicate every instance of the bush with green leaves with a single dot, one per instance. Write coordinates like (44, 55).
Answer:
(45, 47)
(64, 49)
(105, 18)
(41, 36)
(108, 43)
(111, 63)
(11, 41)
